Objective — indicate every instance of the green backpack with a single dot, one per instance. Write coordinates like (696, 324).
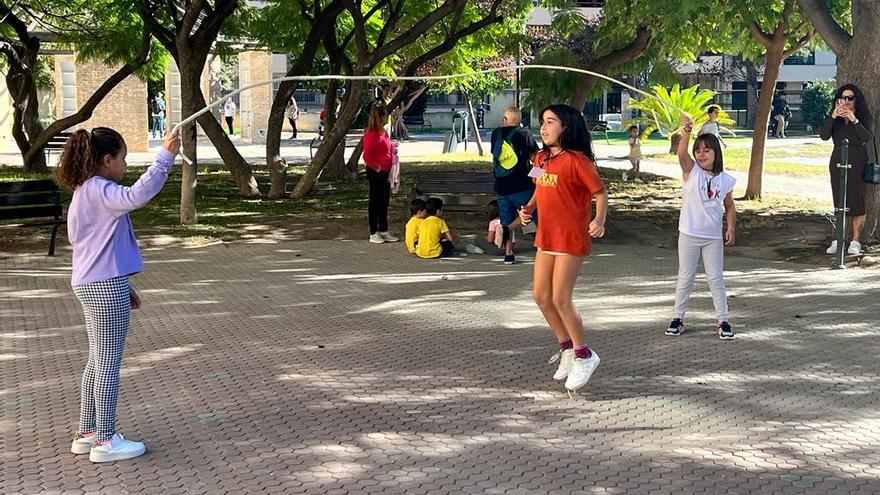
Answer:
(504, 156)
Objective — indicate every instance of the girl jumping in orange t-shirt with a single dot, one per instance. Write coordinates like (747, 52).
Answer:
(567, 180)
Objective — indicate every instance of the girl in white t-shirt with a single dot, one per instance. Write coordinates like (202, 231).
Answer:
(707, 204)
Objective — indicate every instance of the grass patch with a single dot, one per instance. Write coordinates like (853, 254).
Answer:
(777, 160)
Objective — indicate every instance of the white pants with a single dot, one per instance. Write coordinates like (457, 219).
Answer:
(690, 250)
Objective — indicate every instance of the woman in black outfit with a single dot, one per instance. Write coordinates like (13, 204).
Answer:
(850, 119)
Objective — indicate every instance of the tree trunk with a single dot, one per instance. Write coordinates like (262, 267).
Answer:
(274, 161)
(332, 138)
(853, 67)
(762, 118)
(25, 105)
(473, 123)
(355, 158)
(335, 167)
(189, 81)
(751, 93)
(240, 169)
(582, 91)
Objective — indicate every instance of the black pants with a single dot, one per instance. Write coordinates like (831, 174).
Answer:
(447, 247)
(229, 123)
(380, 195)
(292, 124)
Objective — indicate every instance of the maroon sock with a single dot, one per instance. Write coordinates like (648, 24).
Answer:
(583, 353)
(568, 344)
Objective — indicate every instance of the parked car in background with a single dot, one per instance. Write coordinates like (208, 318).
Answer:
(614, 121)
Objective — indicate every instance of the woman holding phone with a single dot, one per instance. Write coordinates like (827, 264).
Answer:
(849, 119)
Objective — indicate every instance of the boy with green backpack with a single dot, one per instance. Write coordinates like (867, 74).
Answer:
(512, 149)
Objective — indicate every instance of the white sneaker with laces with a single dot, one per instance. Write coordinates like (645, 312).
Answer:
(832, 249)
(117, 450)
(82, 444)
(377, 238)
(566, 358)
(581, 371)
(855, 248)
(388, 237)
(624, 176)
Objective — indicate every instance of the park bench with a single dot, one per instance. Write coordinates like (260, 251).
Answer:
(56, 143)
(460, 191)
(32, 199)
(595, 126)
(417, 121)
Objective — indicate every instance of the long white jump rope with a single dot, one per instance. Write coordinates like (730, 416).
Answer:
(328, 77)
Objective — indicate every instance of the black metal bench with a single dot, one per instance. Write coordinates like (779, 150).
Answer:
(32, 199)
(599, 126)
(460, 191)
(417, 121)
(56, 143)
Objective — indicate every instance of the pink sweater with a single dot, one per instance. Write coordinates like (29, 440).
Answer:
(377, 151)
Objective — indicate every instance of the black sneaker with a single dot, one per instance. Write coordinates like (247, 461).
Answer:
(725, 331)
(509, 259)
(676, 327)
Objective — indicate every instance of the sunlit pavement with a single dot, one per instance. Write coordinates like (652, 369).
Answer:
(347, 367)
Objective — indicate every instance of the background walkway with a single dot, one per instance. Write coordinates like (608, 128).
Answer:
(346, 367)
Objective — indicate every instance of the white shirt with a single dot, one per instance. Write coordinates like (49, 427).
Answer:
(702, 203)
(710, 128)
(229, 109)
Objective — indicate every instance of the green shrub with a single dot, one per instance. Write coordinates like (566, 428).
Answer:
(816, 103)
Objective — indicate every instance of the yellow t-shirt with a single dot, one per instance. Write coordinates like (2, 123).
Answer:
(412, 230)
(429, 233)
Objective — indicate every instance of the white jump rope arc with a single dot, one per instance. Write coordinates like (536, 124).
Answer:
(328, 77)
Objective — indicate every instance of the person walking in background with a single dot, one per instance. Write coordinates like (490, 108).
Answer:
(292, 113)
(229, 113)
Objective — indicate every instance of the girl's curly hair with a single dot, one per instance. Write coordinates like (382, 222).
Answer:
(82, 155)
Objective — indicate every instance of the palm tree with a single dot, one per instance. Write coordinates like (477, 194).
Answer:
(661, 115)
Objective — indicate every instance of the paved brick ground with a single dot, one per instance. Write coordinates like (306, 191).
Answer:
(345, 367)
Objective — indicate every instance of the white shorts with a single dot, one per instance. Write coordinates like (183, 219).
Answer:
(553, 253)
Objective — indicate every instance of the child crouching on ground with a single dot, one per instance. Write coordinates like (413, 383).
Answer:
(434, 238)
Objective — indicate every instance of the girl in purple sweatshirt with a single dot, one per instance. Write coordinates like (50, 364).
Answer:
(105, 254)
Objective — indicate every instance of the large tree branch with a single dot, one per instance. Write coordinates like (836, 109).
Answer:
(207, 32)
(15, 23)
(191, 16)
(629, 52)
(759, 34)
(164, 35)
(360, 35)
(418, 29)
(832, 32)
(800, 43)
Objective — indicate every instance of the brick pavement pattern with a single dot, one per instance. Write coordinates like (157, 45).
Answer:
(345, 367)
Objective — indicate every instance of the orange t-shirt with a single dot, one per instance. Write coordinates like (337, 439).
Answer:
(564, 199)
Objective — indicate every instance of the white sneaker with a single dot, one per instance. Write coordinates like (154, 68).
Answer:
(377, 238)
(565, 357)
(855, 248)
(117, 450)
(624, 176)
(82, 444)
(387, 237)
(832, 249)
(639, 180)
(581, 371)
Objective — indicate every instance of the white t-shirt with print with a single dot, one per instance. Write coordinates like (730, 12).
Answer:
(702, 203)
(229, 109)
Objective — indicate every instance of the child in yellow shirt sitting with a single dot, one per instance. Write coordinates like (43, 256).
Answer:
(435, 239)
(417, 210)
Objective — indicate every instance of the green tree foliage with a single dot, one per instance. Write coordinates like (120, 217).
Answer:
(816, 103)
(662, 115)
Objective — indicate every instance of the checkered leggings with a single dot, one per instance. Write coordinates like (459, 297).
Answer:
(107, 308)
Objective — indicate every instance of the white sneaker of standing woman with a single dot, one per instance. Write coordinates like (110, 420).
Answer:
(855, 248)
(387, 237)
(376, 238)
(117, 449)
(832, 249)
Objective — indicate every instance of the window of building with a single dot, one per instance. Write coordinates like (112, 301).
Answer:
(801, 59)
